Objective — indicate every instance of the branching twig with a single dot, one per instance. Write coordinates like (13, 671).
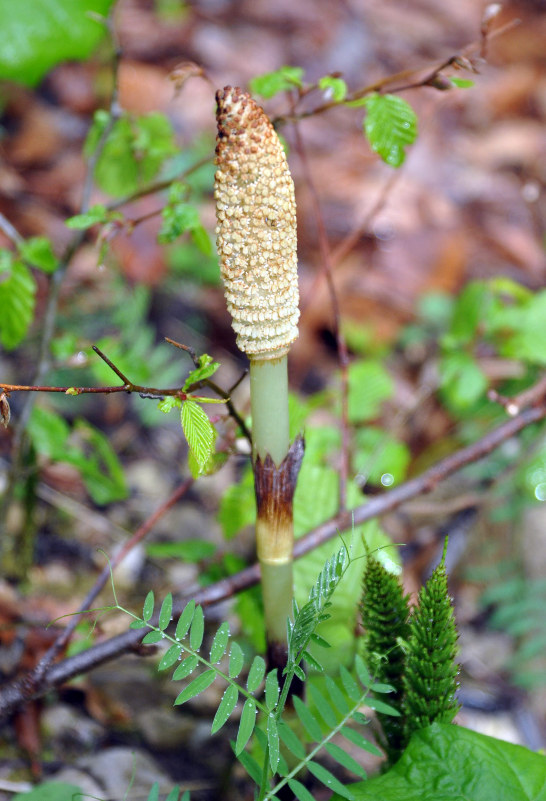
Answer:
(26, 688)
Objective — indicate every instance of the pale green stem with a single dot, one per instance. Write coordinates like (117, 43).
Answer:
(269, 405)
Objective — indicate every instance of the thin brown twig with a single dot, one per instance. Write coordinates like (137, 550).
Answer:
(26, 688)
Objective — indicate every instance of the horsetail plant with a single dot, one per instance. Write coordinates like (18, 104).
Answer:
(256, 241)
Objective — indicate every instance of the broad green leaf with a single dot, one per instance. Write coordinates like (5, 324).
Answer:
(271, 83)
(300, 791)
(273, 742)
(185, 668)
(166, 611)
(307, 719)
(184, 621)
(255, 674)
(463, 382)
(170, 657)
(152, 637)
(291, 740)
(38, 252)
(17, 296)
(327, 778)
(236, 660)
(186, 551)
(345, 759)
(246, 725)
(390, 126)
(272, 689)
(196, 686)
(199, 432)
(445, 762)
(206, 369)
(238, 506)
(369, 386)
(226, 707)
(334, 87)
(48, 432)
(51, 791)
(38, 34)
(197, 629)
(148, 608)
(219, 643)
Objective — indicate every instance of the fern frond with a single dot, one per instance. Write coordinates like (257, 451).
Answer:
(430, 678)
(385, 614)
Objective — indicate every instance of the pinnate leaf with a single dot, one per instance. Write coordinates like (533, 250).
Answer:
(246, 725)
(236, 660)
(197, 629)
(300, 791)
(196, 686)
(184, 621)
(325, 710)
(219, 643)
(344, 759)
(291, 741)
(271, 689)
(169, 657)
(327, 778)
(165, 613)
(185, 668)
(255, 674)
(273, 742)
(226, 707)
(148, 608)
(152, 637)
(308, 720)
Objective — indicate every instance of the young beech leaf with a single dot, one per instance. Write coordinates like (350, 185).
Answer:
(219, 643)
(198, 685)
(255, 674)
(390, 125)
(148, 608)
(169, 657)
(226, 707)
(96, 214)
(184, 621)
(309, 721)
(271, 690)
(236, 660)
(329, 780)
(38, 252)
(300, 791)
(345, 759)
(273, 742)
(199, 432)
(197, 629)
(246, 725)
(185, 668)
(165, 613)
(334, 88)
(17, 291)
(271, 83)
(291, 740)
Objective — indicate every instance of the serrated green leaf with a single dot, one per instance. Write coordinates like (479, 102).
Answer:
(272, 689)
(184, 621)
(335, 88)
(327, 778)
(369, 386)
(196, 686)
(291, 741)
(271, 83)
(170, 657)
(206, 369)
(219, 643)
(152, 637)
(226, 707)
(96, 214)
(38, 252)
(17, 299)
(166, 611)
(36, 36)
(444, 761)
(199, 432)
(236, 660)
(345, 759)
(246, 725)
(351, 687)
(197, 629)
(300, 791)
(323, 707)
(359, 740)
(336, 696)
(255, 674)
(273, 742)
(390, 126)
(308, 720)
(185, 668)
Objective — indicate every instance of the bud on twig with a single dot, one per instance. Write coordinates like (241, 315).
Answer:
(256, 231)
